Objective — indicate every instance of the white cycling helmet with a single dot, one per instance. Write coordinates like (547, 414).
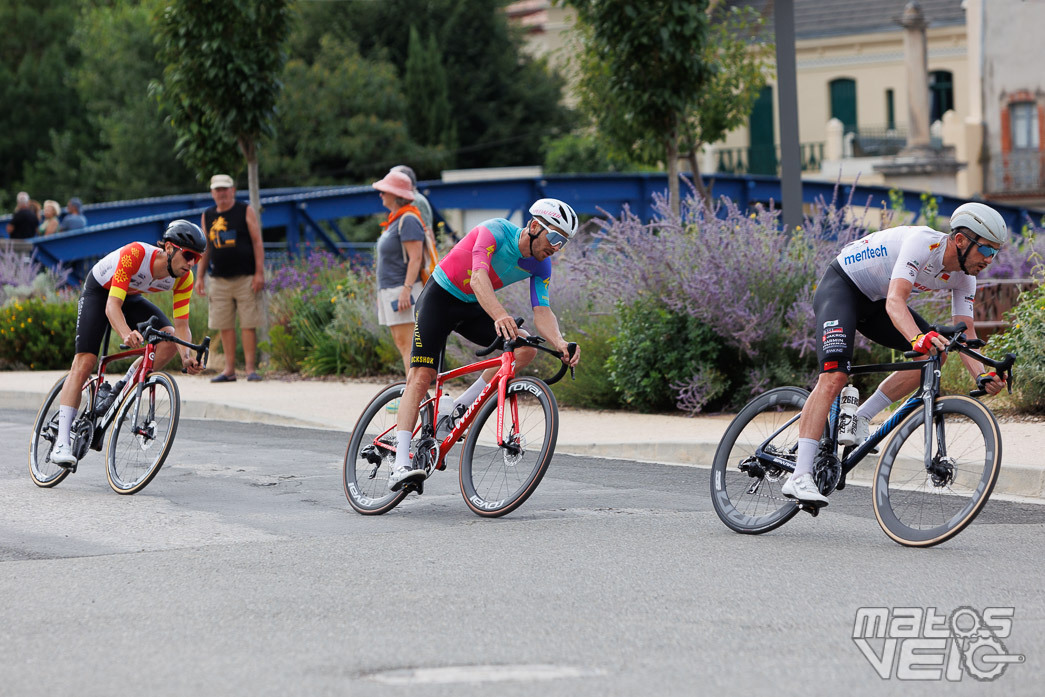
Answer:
(555, 213)
(982, 220)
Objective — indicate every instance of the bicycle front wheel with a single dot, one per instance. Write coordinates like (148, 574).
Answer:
(371, 455)
(44, 472)
(921, 506)
(497, 479)
(143, 434)
(745, 491)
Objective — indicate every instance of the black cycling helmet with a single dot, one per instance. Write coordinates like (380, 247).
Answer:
(186, 235)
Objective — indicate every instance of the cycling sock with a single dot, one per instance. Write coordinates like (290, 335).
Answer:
(403, 448)
(806, 452)
(469, 395)
(874, 404)
(65, 424)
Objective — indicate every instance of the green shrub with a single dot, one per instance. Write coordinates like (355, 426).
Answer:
(1026, 338)
(37, 335)
(657, 348)
(591, 389)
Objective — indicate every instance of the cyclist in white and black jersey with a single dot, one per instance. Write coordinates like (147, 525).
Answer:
(866, 289)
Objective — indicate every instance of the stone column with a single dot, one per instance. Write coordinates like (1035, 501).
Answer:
(917, 62)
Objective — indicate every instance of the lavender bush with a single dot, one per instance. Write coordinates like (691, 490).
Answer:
(22, 277)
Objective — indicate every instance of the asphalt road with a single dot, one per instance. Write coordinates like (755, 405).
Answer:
(241, 570)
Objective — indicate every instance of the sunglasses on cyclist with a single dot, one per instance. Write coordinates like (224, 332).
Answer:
(986, 250)
(190, 256)
(555, 238)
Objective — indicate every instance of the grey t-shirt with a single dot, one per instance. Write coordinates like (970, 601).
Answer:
(391, 267)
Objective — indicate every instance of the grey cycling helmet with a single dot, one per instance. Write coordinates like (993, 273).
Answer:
(982, 220)
(555, 213)
(186, 235)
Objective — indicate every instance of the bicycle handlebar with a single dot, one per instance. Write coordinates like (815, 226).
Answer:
(959, 342)
(150, 331)
(533, 342)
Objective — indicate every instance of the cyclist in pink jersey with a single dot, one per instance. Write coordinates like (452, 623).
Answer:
(460, 297)
(112, 293)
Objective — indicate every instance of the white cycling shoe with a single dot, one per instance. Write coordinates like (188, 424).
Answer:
(803, 488)
(401, 475)
(63, 455)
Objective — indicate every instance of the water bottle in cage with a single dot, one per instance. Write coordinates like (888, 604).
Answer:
(850, 401)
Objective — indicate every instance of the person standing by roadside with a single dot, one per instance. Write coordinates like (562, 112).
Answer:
(235, 261)
(399, 257)
(74, 219)
(24, 221)
(420, 202)
(49, 223)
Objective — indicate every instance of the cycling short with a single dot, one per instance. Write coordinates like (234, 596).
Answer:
(91, 321)
(439, 313)
(841, 310)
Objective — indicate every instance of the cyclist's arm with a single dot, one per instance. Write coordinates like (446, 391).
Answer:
(548, 326)
(114, 313)
(482, 286)
(900, 314)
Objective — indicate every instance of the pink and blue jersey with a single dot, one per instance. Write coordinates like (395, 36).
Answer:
(493, 245)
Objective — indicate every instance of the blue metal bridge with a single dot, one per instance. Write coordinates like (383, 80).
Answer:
(308, 217)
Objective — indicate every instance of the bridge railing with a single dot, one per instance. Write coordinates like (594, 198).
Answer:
(297, 218)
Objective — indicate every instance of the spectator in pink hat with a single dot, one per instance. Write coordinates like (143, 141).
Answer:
(399, 252)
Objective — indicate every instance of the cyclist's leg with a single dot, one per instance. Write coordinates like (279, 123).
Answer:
(836, 305)
(478, 327)
(434, 313)
(90, 328)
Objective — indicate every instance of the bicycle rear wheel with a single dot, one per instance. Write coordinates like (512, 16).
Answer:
(920, 507)
(744, 490)
(497, 479)
(371, 454)
(45, 430)
(142, 437)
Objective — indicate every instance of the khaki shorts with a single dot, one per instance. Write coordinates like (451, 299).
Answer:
(229, 297)
(386, 316)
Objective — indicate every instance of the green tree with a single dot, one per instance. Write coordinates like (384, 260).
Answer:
(743, 63)
(502, 101)
(222, 79)
(427, 94)
(642, 67)
(342, 117)
(35, 58)
(132, 153)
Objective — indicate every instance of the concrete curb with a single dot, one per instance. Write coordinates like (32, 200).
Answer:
(1022, 481)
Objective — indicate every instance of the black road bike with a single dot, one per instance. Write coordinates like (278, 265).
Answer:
(939, 463)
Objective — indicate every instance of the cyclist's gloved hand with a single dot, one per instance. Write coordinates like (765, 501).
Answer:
(924, 344)
(991, 382)
(133, 339)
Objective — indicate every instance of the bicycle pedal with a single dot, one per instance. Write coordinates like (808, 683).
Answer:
(417, 485)
(811, 507)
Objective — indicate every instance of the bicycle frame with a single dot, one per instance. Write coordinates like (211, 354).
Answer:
(925, 398)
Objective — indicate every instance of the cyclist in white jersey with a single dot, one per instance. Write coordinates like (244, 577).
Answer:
(866, 289)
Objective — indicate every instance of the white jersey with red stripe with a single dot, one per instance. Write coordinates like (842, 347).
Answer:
(128, 271)
(913, 253)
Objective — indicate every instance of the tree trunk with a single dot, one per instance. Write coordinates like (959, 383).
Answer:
(698, 181)
(673, 170)
(250, 152)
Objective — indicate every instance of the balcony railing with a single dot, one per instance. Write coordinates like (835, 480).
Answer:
(882, 141)
(1018, 171)
(765, 159)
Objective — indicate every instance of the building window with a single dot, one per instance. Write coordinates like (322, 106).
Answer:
(1024, 119)
(843, 102)
(890, 111)
(941, 94)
